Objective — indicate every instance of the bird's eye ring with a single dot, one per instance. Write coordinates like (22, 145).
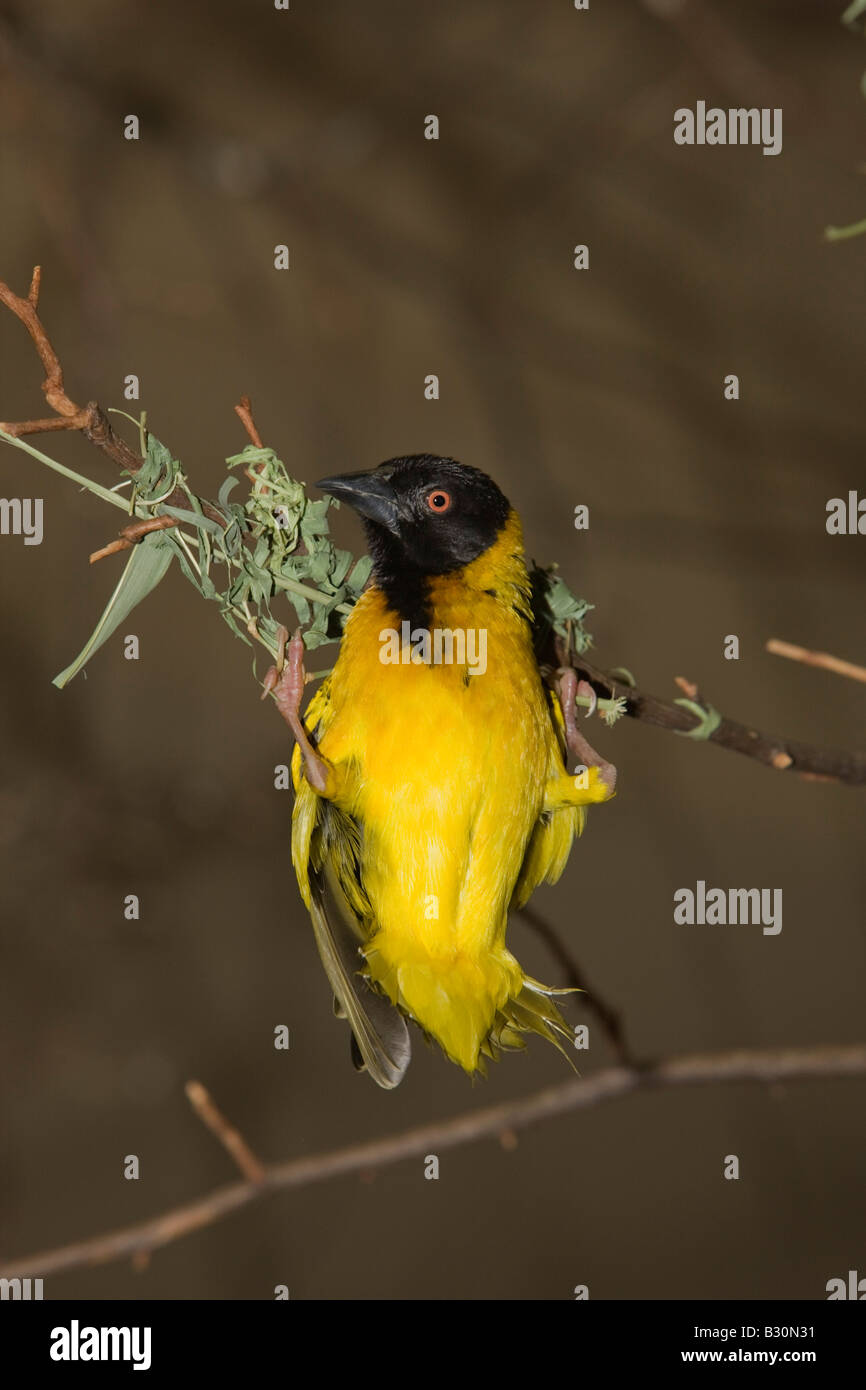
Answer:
(439, 500)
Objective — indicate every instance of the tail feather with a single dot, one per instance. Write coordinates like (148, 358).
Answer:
(474, 1008)
(532, 1010)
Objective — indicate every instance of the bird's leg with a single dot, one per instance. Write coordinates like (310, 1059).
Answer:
(568, 688)
(286, 680)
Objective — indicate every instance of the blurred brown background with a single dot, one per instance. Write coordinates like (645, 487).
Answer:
(602, 387)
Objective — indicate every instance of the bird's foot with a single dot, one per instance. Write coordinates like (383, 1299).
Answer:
(285, 680)
(569, 688)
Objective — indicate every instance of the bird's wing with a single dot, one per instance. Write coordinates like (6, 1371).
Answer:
(326, 854)
(379, 1030)
(553, 834)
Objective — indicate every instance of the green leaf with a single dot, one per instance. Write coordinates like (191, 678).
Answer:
(854, 11)
(360, 574)
(144, 569)
(342, 561)
(842, 233)
(268, 628)
(116, 499)
(223, 494)
(233, 538)
(253, 453)
(261, 583)
(562, 605)
(262, 552)
(185, 567)
(318, 567)
(555, 606)
(314, 521)
(239, 589)
(205, 553)
(301, 607)
(194, 519)
(230, 619)
(157, 472)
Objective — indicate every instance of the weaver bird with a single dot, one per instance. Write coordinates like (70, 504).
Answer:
(433, 796)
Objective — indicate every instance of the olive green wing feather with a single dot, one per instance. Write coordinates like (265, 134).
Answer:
(554, 832)
(326, 855)
(378, 1029)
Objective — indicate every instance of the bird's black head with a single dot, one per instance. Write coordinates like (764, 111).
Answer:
(423, 514)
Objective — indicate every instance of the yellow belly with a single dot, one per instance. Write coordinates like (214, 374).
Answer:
(452, 775)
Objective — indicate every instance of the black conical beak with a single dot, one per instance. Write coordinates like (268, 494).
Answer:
(371, 495)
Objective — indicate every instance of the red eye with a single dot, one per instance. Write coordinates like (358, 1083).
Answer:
(438, 500)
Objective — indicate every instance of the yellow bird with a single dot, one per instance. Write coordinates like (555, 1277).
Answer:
(432, 791)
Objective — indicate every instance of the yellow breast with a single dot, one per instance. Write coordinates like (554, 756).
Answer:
(452, 770)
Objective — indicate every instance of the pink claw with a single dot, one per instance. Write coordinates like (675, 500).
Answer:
(584, 688)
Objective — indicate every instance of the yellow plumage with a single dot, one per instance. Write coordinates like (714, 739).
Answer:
(448, 801)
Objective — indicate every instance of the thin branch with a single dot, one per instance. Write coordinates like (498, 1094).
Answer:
(574, 978)
(244, 412)
(130, 535)
(773, 750)
(231, 1139)
(494, 1121)
(689, 688)
(35, 286)
(90, 419)
(822, 659)
(52, 387)
(44, 426)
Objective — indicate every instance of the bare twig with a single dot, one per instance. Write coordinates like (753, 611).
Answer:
(574, 978)
(90, 419)
(35, 286)
(17, 428)
(69, 416)
(231, 1139)
(244, 411)
(52, 387)
(822, 659)
(689, 689)
(133, 533)
(494, 1121)
(773, 750)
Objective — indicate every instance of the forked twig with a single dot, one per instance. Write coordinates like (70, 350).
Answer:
(498, 1122)
(231, 1139)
